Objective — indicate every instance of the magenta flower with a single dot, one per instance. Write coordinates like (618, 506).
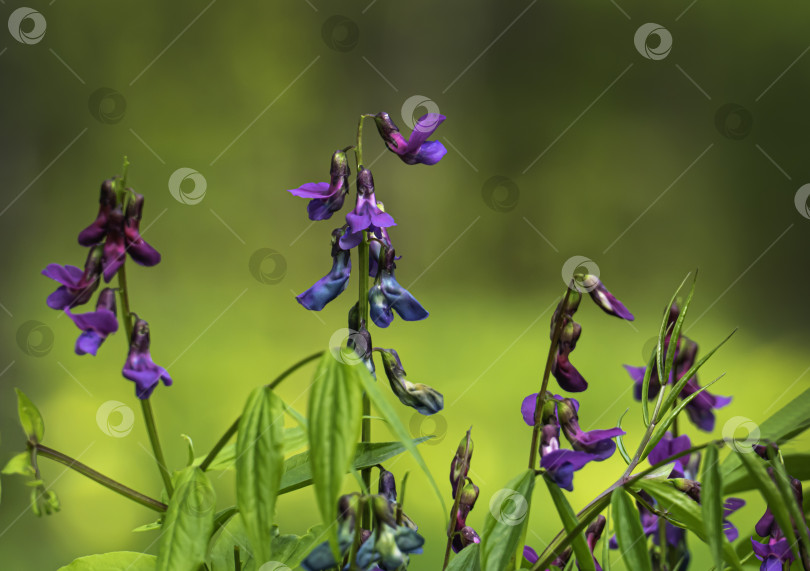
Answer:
(95, 233)
(77, 286)
(332, 284)
(597, 442)
(139, 366)
(96, 325)
(417, 149)
(327, 197)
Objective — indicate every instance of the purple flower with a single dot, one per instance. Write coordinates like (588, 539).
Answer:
(386, 295)
(599, 443)
(77, 286)
(417, 149)
(603, 298)
(563, 370)
(531, 557)
(460, 465)
(327, 197)
(366, 215)
(95, 233)
(592, 535)
(138, 249)
(332, 284)
(668, 447)
(139, 366)
(773, 554)
(561, 464)
(423, 398)
(96, 325)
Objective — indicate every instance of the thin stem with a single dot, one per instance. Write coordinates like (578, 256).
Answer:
(100, 478)
(146, 405)
(541, 396)
(237, 561)
(235, 426)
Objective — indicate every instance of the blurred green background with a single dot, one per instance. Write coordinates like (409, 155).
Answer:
(636, 163)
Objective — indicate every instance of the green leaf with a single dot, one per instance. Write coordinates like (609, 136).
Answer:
(629, 533)
(149, 526)
(298, 469)
(259, 466)
(395, 425)
(785, 424)
(294, 438)
(115, 561)
(786, 491)
(711, 498)
(620, 442)
(686, 511)
(468, 559)
(292, 549)
(334, 428)
(20, 464)
(504, 522)
(606, 544)
(190, 444)
(30, 419)
(232, 533)
(569, 521)
(797, 465)
(188, 524)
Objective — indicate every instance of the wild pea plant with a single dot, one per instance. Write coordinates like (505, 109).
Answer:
(650, 509)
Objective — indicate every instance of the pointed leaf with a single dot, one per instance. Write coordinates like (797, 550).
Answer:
(786, 491)
(797, 465)
(711, 498)
(503, 524)
(569, 521)
(20, 464)
(468, 559)
(188, 524)
(259, 467)
(630, 534)
(30, 419)
(334, 427)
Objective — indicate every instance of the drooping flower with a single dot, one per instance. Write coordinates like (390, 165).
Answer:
(139, 250)
(96, 325)
(592, 535)
(774, 554)
(366, 215)
(460, 465)
(327, 197)
(421, 397)
(603, 298)
(701, 408)
(96, 232)
(139, 366)
(531, 557)
(360, 339)
(463, 535)
(563, 370)
(387, 296)
(332, 284)
(417, 149)
(321, 557)
(77, 286)
(597, 442)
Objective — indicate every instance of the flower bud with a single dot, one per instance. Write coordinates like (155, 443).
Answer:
(689, 487)
(388, 486)
(421, 397)
(469, 494)
(460, 465)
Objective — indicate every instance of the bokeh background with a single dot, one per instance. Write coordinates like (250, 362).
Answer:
(565, 138)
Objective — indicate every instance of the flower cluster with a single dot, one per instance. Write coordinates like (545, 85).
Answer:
(563, 414)
(114, 233)
(775, 553)
(566, 374)
(386, 547)
(701, 408)
(461, 535)
(368, 220)
(683, 477)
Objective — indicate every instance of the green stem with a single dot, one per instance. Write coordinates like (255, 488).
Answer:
(146, 405)
(541, 396)
(235, 426)
(101, 478)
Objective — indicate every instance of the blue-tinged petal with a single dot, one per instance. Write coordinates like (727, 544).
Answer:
(330, 286)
